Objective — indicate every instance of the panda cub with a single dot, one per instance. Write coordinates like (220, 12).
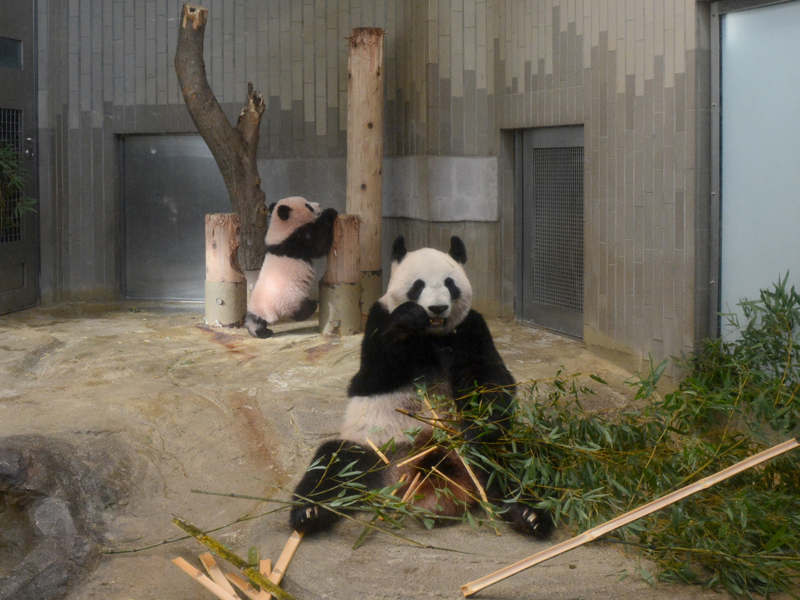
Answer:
(299, 231)
(421, 332)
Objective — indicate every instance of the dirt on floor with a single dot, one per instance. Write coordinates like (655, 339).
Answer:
(113, 417)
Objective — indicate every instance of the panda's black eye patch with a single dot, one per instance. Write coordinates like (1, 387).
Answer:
(416, 290)
(309, 207)
(455, 291)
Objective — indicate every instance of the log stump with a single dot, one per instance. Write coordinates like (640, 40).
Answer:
(340, 287)
(226, 286)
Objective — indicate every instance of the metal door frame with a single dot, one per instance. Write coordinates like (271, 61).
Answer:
(526, 140)
(27, 249)
(718, 10)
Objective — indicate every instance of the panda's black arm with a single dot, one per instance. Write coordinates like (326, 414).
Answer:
(392, 356)
(312, 240)
(477, 368)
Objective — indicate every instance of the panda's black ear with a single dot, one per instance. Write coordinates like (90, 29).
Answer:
(457, 250)
(399, 249)
(270, 208)
(284, 211)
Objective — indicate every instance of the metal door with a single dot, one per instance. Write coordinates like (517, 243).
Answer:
(170, 182)
(19, 270)
(549, 230)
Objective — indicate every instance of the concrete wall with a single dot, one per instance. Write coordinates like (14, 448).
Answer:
(636, 74)
(461, 75)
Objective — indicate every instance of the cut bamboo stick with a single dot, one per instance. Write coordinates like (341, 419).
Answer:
(416, 456)
(204, 580)
(411, 488)
(265, 567)
(285, 557)
(216, 573)
(377, 451)
(592, 534)
(247, 588)
(251, 572)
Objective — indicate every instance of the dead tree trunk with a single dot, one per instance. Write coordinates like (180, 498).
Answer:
(234, 148)
(364, 186)
(340, 287)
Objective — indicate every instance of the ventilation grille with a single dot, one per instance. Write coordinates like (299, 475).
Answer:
(10, 218)
(558, 227)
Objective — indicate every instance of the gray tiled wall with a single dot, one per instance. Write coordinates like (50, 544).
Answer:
(458, 72)
(634, 73)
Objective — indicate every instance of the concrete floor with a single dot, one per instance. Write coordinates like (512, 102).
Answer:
(157, 405)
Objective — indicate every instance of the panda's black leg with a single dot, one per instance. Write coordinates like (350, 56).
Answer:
(305, 310)
(256, 326)
(335, 464)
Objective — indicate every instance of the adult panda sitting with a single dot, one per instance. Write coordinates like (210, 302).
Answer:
(299, 231)
(422, 332)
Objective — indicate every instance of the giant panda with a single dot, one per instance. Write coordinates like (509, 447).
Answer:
(298, 232)
(421, 332)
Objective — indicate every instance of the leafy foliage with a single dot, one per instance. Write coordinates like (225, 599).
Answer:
(740, 397)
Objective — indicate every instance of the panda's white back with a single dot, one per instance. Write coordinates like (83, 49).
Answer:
(282, 285)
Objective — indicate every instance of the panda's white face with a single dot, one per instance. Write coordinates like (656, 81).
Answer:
(436, 282)
(289, 214)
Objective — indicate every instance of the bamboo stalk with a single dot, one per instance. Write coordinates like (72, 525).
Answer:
(368, 529)
(628, 517)
(438, 423)
(237, 561)
(203, 580)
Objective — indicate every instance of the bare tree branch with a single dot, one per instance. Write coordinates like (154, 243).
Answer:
(234, 148)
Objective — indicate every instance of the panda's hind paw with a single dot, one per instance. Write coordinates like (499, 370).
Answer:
(256, 326)
(531, 521)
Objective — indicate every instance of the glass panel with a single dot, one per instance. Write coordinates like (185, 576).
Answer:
(10, 53)
(760, 202)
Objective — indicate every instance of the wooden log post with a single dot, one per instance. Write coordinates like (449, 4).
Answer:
(340, 287)
(226, 286)
(364, 188)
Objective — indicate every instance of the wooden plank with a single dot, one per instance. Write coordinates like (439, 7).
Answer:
(203, 580)
(247, 588)
(216, 574)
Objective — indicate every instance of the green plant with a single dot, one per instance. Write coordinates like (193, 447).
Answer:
(12, 187)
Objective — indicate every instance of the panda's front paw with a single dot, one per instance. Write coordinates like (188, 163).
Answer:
(408, 318)
(306, 518)
(329, 215)
(531, 521)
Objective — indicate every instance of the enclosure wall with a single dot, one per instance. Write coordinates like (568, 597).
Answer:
(460, 76)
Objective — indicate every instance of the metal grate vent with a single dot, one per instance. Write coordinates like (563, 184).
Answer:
(558, 227)
(10, 218)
